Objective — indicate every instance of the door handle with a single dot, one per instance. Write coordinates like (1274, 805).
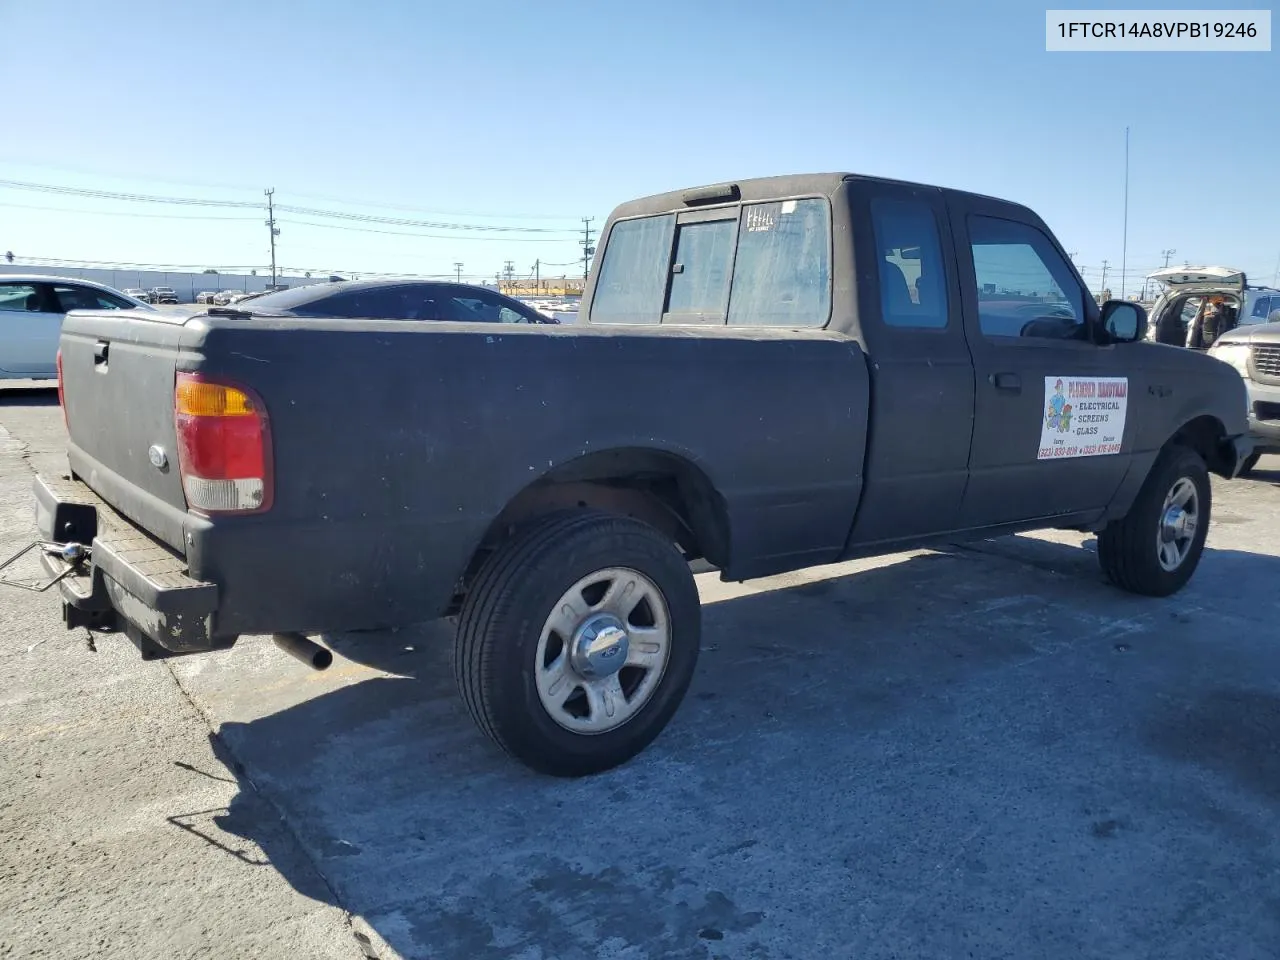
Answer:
(100, 352)
(1006, 381)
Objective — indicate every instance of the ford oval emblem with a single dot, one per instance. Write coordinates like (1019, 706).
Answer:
(159, 459)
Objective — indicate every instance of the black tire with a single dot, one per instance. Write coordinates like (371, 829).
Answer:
(1250, 462)
(1128, 549)
(503, 616)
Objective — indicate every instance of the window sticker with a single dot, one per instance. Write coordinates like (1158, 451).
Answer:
(761, 217)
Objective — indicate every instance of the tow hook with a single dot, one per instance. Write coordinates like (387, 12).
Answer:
(72, 554)
(303, 649)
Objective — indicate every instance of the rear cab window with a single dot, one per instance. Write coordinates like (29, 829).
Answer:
(752, 264)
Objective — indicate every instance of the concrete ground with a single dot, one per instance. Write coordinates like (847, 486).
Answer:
(977, 752)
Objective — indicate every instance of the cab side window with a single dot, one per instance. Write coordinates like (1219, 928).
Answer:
(913, 287)
(1025, 288)
(1261, 308)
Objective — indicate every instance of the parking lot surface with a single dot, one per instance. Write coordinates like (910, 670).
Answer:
(981, 751)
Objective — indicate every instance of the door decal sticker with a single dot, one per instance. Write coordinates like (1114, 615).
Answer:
(1083, 416)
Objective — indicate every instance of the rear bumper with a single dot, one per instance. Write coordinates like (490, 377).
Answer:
(129, 577)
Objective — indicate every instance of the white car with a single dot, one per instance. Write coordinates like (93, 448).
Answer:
(1183, 291)
(31, 312)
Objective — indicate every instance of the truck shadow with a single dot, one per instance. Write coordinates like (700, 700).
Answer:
(910, 738)
(1264, 474)
(29, 394)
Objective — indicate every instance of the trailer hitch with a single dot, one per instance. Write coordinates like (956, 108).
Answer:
(72, 554)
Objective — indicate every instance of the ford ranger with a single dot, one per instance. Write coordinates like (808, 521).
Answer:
(767, 375)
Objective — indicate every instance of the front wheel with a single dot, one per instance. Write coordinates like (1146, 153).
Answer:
(1156, 547)
(577, 642)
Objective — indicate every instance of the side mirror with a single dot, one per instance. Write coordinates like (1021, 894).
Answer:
(1124, 321)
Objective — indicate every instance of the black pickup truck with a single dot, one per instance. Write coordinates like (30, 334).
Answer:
(768, 375)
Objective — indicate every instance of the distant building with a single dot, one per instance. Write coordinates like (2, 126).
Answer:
(547, 287)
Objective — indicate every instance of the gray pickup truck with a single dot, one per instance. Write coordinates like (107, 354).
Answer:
(768, 375)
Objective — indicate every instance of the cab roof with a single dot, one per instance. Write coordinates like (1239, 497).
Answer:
(763, 188)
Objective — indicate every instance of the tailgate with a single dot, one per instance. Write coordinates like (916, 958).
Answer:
(118, 379)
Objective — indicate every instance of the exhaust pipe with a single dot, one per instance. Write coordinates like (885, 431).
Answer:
(303, 650)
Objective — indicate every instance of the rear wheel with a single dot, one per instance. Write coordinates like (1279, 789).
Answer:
(577, 642)
(1156, 547)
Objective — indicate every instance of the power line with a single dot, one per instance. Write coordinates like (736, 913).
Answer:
(408, 222)
(403, 233)
(244, 188)
(123, 213)
(114, 195)
(95, 194)
(432, 212)
(114, 264)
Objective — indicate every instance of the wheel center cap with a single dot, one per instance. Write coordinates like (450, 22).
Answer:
(599, 646)
(1175, 521)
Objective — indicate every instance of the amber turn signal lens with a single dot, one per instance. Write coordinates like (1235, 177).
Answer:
(197, 399)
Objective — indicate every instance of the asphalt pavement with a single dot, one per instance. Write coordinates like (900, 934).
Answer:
(973, 752)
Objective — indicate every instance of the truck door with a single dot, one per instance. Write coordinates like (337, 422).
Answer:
(1052, 435)
(921, 413)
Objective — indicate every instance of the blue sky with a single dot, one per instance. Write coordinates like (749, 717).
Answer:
(497, 113)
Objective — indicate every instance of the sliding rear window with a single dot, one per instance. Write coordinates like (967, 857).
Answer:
(756, 264)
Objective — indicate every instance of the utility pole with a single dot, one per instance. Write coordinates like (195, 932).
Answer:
(275, 231)
(1167, 254)
(1124, 249)
(457, 266)
(537, 275)
(1102, 286)
(509, 269)
(587, 248)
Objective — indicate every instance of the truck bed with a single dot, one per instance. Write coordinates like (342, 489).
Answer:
(382, 492)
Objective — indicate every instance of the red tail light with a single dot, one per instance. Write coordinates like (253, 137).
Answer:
(224, 446)
(62, 397)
